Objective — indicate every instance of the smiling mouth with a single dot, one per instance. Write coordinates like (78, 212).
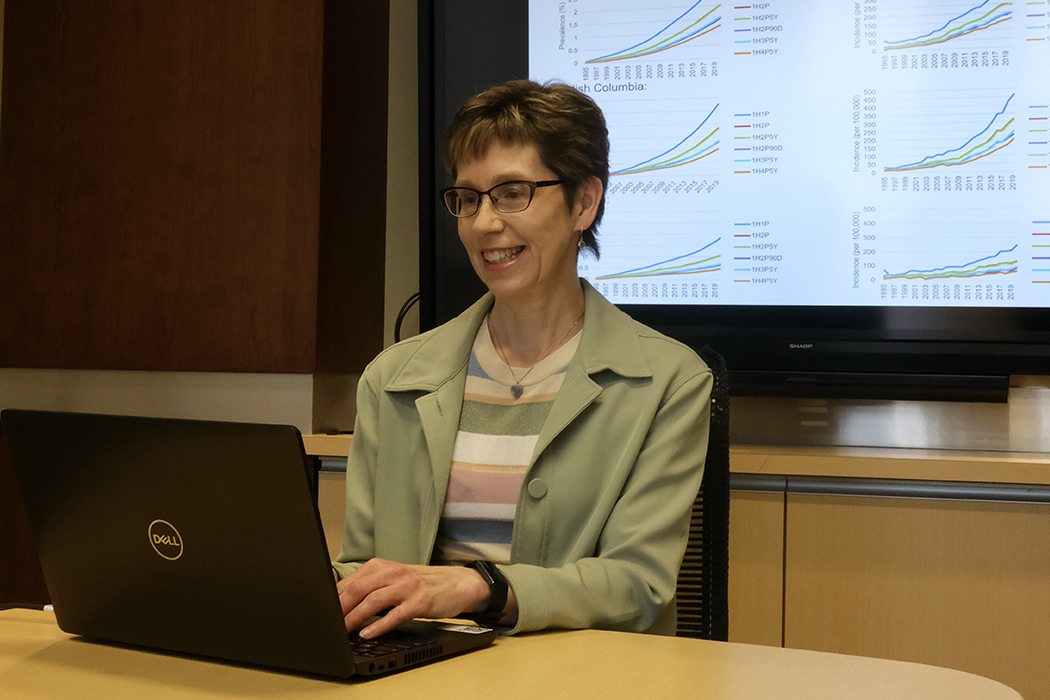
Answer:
(495, 257)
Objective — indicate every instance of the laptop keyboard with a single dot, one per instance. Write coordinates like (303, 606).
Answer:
(393, 650)
(389, 643)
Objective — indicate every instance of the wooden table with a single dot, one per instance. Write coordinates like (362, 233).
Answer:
(37, 660)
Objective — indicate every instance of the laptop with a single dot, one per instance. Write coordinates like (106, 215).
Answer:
(196, 537)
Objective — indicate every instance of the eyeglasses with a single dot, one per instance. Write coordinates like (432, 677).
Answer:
(508, 197)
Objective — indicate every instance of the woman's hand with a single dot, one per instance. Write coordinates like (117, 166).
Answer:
(408, 591)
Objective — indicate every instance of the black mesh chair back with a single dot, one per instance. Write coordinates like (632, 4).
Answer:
(703, 580)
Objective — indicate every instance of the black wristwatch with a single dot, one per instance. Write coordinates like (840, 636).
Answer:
(498, 589)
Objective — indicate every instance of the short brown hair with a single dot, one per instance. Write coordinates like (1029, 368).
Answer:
(566, 126)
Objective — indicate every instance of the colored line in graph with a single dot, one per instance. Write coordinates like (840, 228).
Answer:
(1038, 136)
(966, 270)
(682, 30)
(1041, 251)
(753, 35)
(741, 252)
(742, 32)
(988, 142)
(679, 154)
(742, 147)
(688, 264)
(973, 20)
(1037, 32)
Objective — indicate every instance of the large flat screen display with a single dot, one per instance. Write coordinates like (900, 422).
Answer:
(808, 185)
(815, 152)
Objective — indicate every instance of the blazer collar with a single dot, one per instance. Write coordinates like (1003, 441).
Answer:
(609, 342)
(610, 339)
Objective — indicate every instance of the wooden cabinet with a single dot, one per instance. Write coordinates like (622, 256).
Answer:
(961, 584)
(756, 568)
(193, 185)
(935, 571)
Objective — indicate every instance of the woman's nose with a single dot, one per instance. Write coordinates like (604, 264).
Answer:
(487, 216)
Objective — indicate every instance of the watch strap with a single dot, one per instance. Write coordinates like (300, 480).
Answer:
(499, 588)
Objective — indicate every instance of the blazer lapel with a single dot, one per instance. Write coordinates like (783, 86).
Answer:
(439, 414)
(610, 343)
(438, 372)
(576, 393)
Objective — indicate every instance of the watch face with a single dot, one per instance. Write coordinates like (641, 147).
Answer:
(498, 589)
(480, 567)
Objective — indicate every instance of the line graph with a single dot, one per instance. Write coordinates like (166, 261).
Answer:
(994, 137)
(950, 254)
(698, 261)
(686, 151)
(690, 25)
(991, 266)
(980, 18)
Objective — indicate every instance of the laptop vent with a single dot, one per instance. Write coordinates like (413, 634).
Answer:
(422, 655)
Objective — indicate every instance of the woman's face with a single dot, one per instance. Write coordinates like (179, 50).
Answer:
(529, 254)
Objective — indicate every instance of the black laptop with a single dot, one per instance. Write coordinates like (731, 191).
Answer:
(197, 537)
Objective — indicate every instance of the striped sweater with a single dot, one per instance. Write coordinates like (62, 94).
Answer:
(494, 445)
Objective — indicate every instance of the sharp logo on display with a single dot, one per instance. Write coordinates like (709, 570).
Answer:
(801, 346)
(165, 539)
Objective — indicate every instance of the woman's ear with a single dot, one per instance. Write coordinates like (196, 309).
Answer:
(588, 197)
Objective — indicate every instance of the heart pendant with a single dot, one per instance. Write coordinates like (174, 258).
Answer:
(517, 390)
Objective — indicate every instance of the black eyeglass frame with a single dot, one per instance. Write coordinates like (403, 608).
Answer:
(495, 202)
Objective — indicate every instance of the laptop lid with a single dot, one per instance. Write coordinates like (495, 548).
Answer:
(198, 537)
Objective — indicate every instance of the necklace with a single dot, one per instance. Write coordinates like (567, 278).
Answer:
(517, 388)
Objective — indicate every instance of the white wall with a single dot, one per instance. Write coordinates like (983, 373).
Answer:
(255, 398)
(402, 194)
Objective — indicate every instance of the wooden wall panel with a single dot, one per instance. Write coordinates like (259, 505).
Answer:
(350, 302)
(159, 184)
(948, 583)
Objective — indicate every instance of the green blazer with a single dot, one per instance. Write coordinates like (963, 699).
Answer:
(603, 514)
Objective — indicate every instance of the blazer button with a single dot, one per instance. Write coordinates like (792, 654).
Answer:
(537, 488)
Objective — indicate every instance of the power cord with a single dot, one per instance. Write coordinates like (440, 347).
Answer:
(401, 315)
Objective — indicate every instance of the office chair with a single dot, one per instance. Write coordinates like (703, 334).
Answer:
(703, 580)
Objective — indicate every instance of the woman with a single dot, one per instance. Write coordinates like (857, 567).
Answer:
(534, 460)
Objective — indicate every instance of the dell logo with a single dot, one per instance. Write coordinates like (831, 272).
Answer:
(165, 539)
